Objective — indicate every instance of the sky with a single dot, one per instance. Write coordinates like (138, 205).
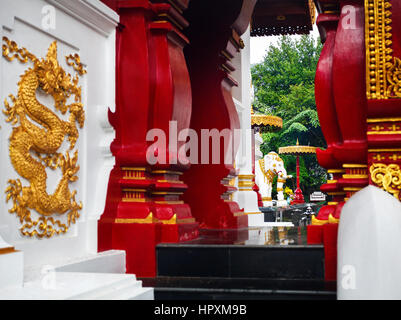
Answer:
(259, 45)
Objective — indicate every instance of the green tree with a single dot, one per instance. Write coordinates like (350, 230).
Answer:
(284, 86)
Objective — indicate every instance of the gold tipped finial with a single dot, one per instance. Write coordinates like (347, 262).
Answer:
(297, 142)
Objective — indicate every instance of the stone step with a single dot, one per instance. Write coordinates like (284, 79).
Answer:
(79, 286)
(239, 261)
(183, 288)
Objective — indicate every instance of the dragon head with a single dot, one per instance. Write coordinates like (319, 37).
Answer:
(53, 79)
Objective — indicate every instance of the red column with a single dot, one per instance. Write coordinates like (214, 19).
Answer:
(298, 196)
(214, 33)
(144, 205)
(325, 103)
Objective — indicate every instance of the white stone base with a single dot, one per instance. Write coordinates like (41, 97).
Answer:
(95, 276)
(80, 286)
(248, 200)
(282, 203)
(11, 269)
(369, 235)
(278, 224)
(258, 220)
(268, 203)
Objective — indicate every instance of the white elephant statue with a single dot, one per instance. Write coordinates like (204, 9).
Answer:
(265, 171)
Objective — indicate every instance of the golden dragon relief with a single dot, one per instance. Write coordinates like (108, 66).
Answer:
(36, 138)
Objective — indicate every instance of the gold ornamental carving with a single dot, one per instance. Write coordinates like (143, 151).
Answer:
(36, 138)
(383, 70)
(297, 150)
(264, 120)
(387, 177)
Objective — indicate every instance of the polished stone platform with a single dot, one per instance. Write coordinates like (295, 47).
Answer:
(251, 263)
(202, 288)
(266, 252)
(291, 214)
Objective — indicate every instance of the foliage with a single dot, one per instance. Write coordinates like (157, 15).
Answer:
(284, 86)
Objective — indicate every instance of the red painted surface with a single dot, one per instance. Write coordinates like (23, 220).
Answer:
(212, 25)
(330, 232)
(143, 204)
(298, 195)
(324, 93)
(314, 234)
(342, 108)
(349, 86)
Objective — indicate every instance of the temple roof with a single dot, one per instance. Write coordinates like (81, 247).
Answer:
(280, 17)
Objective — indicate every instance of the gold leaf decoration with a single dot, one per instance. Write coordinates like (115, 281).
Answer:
(387, 177)
(36, 137)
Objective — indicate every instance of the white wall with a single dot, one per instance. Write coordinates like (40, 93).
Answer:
(86, 27)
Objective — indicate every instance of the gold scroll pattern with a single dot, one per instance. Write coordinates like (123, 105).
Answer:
(387, 177)
(383, 70)
(36, 138)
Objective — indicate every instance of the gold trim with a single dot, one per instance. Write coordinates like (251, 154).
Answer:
(266, 198)
(331, 181)
(239, 214)
(335, 171)
(7, 250)
(350, 166)
(375, 120)
(167, 172)
(332, 203)
(383, 132)
(352, 189)
(382, 68)
(253, 213)
(355, 176)
(384, 150)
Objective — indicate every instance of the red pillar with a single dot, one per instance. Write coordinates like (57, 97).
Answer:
(144, 205)
(342, 108)
(214, 33)
(298, 195)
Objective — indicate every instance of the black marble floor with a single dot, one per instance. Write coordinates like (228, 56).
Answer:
(294, 213)
(250, 236)
(201, 288)
(252, 263)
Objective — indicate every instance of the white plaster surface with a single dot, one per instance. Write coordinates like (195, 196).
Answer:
(369, 237)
